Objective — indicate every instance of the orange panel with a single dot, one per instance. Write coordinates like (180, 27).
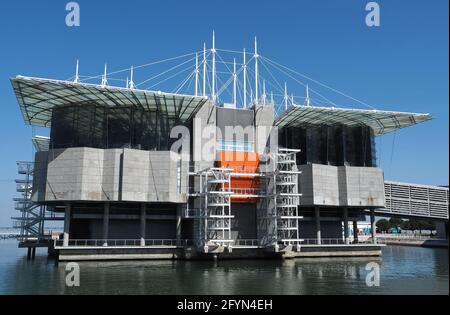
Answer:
(242, 162)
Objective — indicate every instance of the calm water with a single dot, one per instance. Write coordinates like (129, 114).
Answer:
(404, 270)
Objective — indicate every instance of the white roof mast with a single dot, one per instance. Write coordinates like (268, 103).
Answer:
(245, 80)
(204, 69)
(131, 83)
(104, 80)
(196, 74)
(77, 77)
(308, 100)
(286, 97)
(213, 51)
(256, 71)
(234, 82)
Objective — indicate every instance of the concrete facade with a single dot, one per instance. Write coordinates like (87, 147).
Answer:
(326, 185)
(87, 174)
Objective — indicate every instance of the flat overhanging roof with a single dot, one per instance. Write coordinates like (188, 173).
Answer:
(37, 98)
(41, 143)
(380, 121)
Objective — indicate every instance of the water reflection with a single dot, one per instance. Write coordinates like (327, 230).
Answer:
(401, 267)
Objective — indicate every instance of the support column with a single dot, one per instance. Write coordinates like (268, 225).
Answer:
(372, 226)
(143, 223)
(33, 253)
(178, 223)
(346, 239)
(355, 232)
(106, 224)
(67, 216)
(318, 231)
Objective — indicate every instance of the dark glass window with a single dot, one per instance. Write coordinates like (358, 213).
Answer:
(333, 145)
(94, 126)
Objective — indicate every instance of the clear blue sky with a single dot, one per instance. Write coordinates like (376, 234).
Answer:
(402, 65)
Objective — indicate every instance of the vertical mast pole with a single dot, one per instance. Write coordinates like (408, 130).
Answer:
(308, 101)
(196, 74)
(245, 80)
(104, 80)
(256, 71)
(131, 84)
(77, 77)
(234, 82)
(204, 69)
(213, 51)
(286, 97)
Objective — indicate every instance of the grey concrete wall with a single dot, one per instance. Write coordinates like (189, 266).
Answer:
(361, 186)
(87, 174)
(151, 176)
(229, 118)
(264, 118)
(205, 117)
(326, 185)
(318, 185)
(74, 174)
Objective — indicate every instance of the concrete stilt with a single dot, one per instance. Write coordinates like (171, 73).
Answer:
(318, 230)
(67, 216)
(346, 238)
(178, 223)
(143, 223)
(373, 226)
(106, 224)
(33, 253)
(29, 253)
(355, 232)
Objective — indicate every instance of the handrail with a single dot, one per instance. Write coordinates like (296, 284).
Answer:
(246, 242)
(337, 241)
(125, 242)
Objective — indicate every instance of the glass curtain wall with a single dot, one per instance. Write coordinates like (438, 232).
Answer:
(112, 127)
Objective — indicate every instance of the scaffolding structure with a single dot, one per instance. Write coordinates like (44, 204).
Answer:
(212, 224)
(278, 211)
(277, 196)
(32, 216)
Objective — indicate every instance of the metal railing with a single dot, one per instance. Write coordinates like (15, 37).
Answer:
(125, 243)
(400, 237)
(337, 241)
(247, 191)
(246, 242)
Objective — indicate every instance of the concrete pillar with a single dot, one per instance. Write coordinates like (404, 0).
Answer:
(143, 223)
(318, 231)
(346, 239)
(373, 226)
(179, 223)
(106, 224)
(29, 253)
(355, 232)
(33, 253)
(67, 216)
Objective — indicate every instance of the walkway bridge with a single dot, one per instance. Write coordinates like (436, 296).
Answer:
(412, 200)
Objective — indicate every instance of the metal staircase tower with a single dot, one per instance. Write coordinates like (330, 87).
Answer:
(212, 226)
(32, 216)
(278, 211)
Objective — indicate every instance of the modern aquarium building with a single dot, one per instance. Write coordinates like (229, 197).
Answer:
(141, 174)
